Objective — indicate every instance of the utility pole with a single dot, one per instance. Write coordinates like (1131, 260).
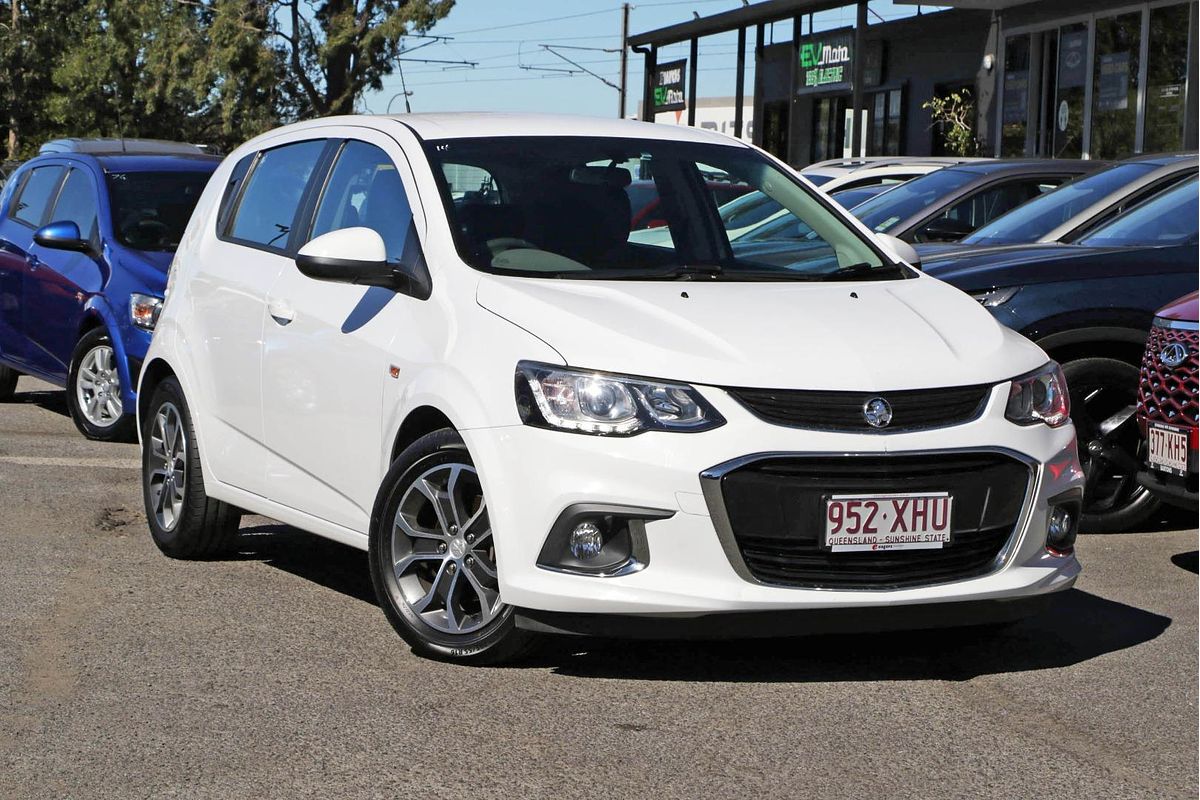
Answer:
(624, 58)
(12, 116)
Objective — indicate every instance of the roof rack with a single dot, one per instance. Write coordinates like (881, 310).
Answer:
(113, 146)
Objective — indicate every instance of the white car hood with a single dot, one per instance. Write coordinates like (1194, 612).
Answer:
(861, 336)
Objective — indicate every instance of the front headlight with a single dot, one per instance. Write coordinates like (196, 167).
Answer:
(1039, 396)
(144, 310)
(995, 297)
(608, 405)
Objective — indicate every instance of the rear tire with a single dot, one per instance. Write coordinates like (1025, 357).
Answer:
(184, 521)
(432, 560)
(8, 383)
(94, 390)
(1103, 394)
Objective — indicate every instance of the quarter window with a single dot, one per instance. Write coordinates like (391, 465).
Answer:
(267, 210)
(30, 206)
(364, 189)
(77, 203)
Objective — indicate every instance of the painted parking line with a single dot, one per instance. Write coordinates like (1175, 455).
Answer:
(36, 461)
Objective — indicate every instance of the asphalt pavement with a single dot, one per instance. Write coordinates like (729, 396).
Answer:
(273, 674)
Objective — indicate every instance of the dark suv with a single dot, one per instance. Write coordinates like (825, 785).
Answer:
(87, 231)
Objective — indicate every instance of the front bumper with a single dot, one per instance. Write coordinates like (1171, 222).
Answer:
(531, 475)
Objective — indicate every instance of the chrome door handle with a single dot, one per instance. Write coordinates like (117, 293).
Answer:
(281, 312)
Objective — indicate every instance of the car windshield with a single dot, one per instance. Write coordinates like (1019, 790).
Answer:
(1031, 221)
(151, 209)
(561, 209)
(1169, 218)
(849, 198)
(881, 213)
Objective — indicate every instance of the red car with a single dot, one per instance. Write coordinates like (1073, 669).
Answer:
(1167, 404)
(645, 205)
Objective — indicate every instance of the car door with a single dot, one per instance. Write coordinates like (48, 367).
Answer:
(26, 212)
(983, 205)
(329, 348)
(55, 292)
(229, 301)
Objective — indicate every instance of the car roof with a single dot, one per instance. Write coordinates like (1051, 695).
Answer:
(98, 146)
(1161, 159)
(461, 125)
(1028, 165)
(136, 162)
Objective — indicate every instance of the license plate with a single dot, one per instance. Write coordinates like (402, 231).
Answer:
(1168, 448)
(866, 522)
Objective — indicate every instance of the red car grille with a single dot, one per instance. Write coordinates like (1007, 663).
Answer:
(1168, 394)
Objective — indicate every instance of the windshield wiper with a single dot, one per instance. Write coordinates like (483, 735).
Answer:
(684, 272)
(864, 271)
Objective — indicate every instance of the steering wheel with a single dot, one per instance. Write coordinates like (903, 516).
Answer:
(146, 232)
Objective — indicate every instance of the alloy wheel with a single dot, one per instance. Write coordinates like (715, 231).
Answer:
(442, 554)
(168, 466)
(1109, 448)
(98, 387)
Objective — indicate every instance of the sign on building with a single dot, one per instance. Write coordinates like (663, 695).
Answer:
(826, 61)
(668, 86)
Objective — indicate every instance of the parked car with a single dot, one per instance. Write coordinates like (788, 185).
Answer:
(86, 235)
(1167, 404)
(950, 203)
(855, 173)
(1089, 306)
(534, 425)
(1076, 207)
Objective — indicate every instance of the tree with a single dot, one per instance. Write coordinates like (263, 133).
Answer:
(337, 49)
(32, 34)
(953, 115)
(169, 69)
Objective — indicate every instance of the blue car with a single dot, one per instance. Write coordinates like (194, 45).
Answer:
(87, 231)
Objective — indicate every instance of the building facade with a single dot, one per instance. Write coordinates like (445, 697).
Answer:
(1066, 78)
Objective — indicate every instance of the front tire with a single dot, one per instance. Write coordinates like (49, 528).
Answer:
(433, 563)
(184, 521)
(1103, 394)
(94, 390)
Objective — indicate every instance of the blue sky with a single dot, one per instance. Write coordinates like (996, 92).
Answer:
(513, 71)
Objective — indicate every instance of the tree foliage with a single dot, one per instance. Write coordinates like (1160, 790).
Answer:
(209, 71)
(341, 48)
(954, 115)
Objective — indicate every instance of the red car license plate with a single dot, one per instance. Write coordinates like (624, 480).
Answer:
(1168, 449)
(908, 521)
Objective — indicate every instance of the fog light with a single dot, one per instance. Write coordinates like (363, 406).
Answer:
(586, 541)
(1062, 524)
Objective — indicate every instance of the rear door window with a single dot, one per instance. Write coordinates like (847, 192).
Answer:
(30, 206)
(77, 203)
(269, 203)
(984, 206)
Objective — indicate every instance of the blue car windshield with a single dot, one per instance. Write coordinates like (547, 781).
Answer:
(881, 213)
(1031, 221)
(1169, 218)
(151, 209)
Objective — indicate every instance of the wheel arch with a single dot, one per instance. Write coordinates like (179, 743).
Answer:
(153, 373)
(420, 421)
(1120, 343)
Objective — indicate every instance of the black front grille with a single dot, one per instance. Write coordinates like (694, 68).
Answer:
(912, 409)
(776, 512)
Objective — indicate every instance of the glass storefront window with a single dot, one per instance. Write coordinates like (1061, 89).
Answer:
(1069, 95)
(1015, 114)
(1115, 85)
(1166, 78)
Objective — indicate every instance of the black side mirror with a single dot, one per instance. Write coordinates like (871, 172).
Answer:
(62, 236)
(945, 229)
(359, 256)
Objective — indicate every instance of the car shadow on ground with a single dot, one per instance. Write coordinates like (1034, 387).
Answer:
(1079, 626)
(1189, 561)
(55, 401)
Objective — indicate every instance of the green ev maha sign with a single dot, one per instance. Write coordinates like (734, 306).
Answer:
(825, 61)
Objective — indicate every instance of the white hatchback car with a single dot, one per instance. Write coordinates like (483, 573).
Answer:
(430, 337)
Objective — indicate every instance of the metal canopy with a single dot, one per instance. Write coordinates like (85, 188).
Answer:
(758, 13)
(979, 5)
